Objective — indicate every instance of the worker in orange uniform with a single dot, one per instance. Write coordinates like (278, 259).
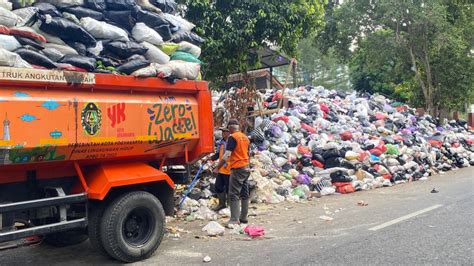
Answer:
(222, 179)
(237, 157)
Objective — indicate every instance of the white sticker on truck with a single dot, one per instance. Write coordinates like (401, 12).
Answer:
(51, 76)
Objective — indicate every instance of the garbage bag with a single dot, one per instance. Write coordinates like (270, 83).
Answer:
(4, 30)
(27, 32)
(213, 228)
(62, 48)
(167, 6)
(120, 4)
(16, 4)
(142, 33)
(155, 55)
(27, 15)
(9, 43)
(165, 32)
(49, 38)
(180, 22)
(10, 59)
(145, 4)
(124, 49)
(64, 3)
(97, 49)
(132, 66)
(79, 47)
(102, 30)
(25, 42)
(185, 70)
(52, 54)
(47, 9)
(187, 57)
(123, 19)
(82, 12)
(151, 19)
(98, 5)
(66, 30)
(190, 48)
(169, 48)
(35, 58)
(149, 71)
(188, 37)
(83, 62)
(6, 5)
(7, 18)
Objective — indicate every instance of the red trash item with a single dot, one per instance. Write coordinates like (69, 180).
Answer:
(346, 135)
(38, 67)
(70, 67)
(435, 143)
(303, 150)
(283, 118)
(324, 108)
(344, 187)
(27, 34)
(308, 128)
(254, 230)
(277, 96)
(317, 164)
(376, 151)
(380, 116)
(4, 30)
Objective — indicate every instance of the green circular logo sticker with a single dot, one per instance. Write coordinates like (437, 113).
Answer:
(91, 118)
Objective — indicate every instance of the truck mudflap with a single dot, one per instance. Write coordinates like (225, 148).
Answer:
(100, 179)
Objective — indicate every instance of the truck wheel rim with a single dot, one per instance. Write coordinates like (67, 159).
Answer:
(138, 227)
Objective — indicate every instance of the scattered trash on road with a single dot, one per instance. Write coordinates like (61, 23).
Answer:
(206, 259)
(213, 228)
(326, 218)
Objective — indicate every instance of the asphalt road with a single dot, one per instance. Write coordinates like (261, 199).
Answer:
(404, 224)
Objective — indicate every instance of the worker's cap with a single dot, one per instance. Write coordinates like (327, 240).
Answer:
(224, 129)
(233, 122)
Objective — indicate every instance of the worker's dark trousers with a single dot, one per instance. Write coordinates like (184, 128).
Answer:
(222, 183)
(239, 185)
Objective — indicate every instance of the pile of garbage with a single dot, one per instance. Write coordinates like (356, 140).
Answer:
(143, 38)
(328, 142)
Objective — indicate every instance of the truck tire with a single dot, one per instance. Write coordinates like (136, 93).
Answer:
(132, 226)
(66, 238)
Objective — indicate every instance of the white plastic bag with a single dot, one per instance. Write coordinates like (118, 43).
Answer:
(10, 59)
(6, 4)
(52, 54)
(102, 30)
(185, 70)
(146, 72)
(155, 55)
(180, 22)
(143, 33)
(9, 43)
(145, 4)
(214, 229)
(97, 49)
(190, 48)
(8, 18)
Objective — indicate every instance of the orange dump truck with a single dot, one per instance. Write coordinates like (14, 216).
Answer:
(86, 155)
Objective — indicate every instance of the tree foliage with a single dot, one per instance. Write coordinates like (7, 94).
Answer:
(382, 38)
(233, 28)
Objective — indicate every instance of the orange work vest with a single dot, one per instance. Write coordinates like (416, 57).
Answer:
(225, 169)
(240, 156)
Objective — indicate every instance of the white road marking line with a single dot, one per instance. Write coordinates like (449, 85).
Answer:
(403, 218)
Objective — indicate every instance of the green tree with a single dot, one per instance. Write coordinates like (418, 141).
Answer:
(434, 37)
(233, 28)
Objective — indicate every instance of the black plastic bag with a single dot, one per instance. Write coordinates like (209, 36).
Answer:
(35, 58)
(340, 176)
(165, 32)
(120, 4)
(151, 19)
(81, 12)
(167, 6)
(98, 5)
(79, 47)
(66, 30)
(124, 50)
(188, 37)
(26, 41)
(132, 66)
(83, 62)
(47, 9)
(122, 19)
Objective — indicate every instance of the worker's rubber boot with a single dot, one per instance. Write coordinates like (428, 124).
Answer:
(244, 211)
(234, 214)
(222, 202)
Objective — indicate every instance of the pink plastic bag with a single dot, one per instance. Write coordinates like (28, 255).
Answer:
(254, 230)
